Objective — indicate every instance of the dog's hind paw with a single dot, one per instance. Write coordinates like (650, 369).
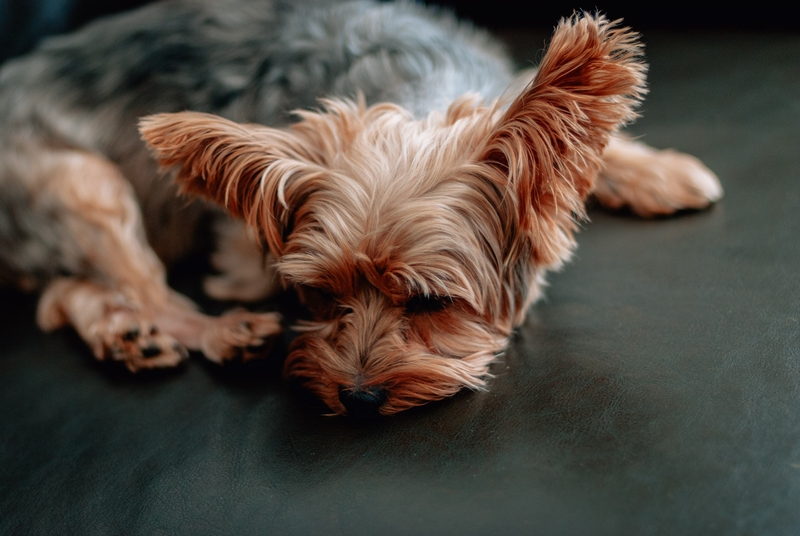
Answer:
(125, 336)
(652, 182)
(240, 335)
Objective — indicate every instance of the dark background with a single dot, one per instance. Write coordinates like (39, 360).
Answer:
(23, 22)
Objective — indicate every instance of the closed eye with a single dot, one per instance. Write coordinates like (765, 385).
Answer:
(421, 303)
(322, 303)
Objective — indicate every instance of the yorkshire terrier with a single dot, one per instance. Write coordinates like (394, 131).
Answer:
(385, 157)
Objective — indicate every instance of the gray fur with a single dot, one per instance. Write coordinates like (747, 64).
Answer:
(247, 60)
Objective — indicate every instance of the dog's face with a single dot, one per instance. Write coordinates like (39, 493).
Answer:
(416, 244)
(398, 249)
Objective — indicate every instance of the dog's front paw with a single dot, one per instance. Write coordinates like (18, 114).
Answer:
(128, 337)
(240, 335)
(652, 182)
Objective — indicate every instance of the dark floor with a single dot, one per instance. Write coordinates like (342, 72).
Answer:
(655, 391)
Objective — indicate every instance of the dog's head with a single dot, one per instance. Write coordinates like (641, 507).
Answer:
(416, 244)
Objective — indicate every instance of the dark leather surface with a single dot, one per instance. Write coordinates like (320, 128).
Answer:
(655, 391)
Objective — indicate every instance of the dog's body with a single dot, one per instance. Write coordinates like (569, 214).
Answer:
(418, 232)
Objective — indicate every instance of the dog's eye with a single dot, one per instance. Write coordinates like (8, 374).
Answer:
(422, 303)
(321, 302)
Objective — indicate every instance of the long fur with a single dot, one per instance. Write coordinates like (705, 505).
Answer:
(412, 200)
(471, 206)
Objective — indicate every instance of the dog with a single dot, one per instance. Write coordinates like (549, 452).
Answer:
(383, 159)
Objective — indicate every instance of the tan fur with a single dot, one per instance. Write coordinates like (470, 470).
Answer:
(245, 272)
(652, 182)
(114, 325)
(417, 229)
(117, 310)
(369, 211)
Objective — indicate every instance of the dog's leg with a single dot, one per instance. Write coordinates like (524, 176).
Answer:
(122, 307)
(246, 272)
(114, 324)
(652, 182)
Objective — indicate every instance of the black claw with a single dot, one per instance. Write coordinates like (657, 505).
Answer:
(131, 335)
(151, 351)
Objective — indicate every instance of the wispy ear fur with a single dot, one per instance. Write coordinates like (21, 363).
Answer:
(550, 140)
(254, 172)
(546, 147)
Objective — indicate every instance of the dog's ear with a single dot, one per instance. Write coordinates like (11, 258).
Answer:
(255, 172)
(549, 142)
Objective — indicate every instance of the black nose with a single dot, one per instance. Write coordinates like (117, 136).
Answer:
(362, 402)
